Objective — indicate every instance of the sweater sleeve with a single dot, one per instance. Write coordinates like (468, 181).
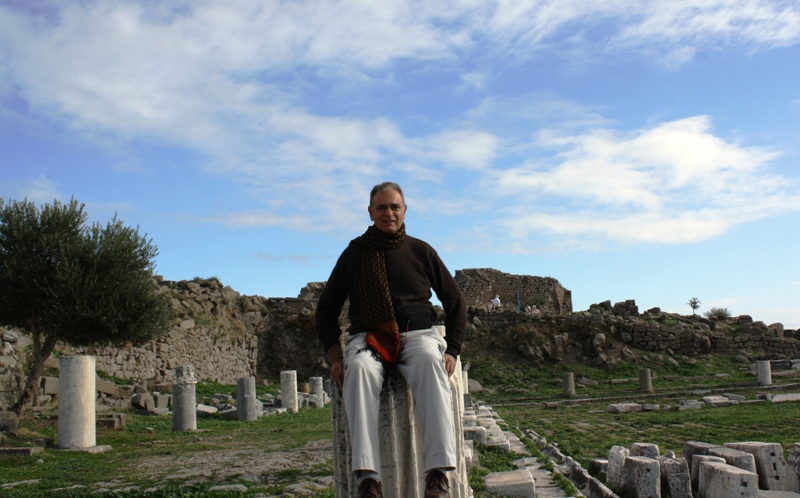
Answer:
(330, 303)
(454, 304)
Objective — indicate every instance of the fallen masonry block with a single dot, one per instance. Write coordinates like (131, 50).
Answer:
(20, 451)
(697, 460)
(716, 401)
(720, 480)
(675, 479)
(206, 410)
(734, 397)
(518, 483)
(777, 494)
(650, 407)
(691, 448)
(476, 433)
(143, 401)
(642, 477)
(780, 398)
(624, 408)
(49, 385)
(690, 404)
(648, 450)
(616, 463)
(740, 459)
(772, 468)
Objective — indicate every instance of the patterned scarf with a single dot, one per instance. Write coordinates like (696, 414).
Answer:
(383, 337)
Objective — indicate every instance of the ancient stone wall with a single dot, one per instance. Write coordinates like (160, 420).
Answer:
(603, 335)
(480, 285)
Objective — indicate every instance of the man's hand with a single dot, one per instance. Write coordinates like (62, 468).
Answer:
(449, 364)
(337, 365)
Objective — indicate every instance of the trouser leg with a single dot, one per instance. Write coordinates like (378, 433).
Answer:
(422, 365)
(363, 379)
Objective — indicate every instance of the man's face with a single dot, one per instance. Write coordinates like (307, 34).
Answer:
(387, 211)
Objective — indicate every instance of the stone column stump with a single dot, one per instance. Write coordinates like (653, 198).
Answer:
(247, 404)
(764, 373)
(289, 390)
(645, 380)
(184, 399)
(317, 392)
(76, 402)
(568, 384)
(402, 467)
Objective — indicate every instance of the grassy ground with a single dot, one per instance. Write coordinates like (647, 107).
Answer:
(147, 437)
(585, 430)
(517, 392)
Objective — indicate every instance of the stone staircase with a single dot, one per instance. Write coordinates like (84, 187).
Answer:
(481, 423)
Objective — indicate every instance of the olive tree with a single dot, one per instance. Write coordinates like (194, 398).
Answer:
(64, 280)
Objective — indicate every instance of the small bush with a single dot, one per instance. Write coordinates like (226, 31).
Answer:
(717, 313)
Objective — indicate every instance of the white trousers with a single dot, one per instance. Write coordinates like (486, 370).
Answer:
(422, 365)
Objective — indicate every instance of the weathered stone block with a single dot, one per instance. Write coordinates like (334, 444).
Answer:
(616, 464)
(720, 480)
(8, 422)
(143, 401)
(691, 448)
(648, 450)
(740, 459)
(772, 468)
(642, 477)
(515, 483)
(696, 461)
(675, 479)
(624, 408)
(49, 385)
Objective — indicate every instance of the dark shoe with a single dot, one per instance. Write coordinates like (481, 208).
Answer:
(370, 488)
(437, 485)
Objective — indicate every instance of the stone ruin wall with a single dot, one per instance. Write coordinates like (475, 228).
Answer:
(480, 285)
(225, 335)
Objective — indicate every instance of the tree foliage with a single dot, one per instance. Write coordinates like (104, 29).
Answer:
(61, 279)
(694, 303)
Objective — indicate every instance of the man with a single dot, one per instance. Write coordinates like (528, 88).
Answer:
(496, 302)
(388, 277)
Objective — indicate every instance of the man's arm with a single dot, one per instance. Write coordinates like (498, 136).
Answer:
(329, 307)
(337, 364)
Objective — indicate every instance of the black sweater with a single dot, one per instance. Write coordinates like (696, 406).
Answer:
(413, 268)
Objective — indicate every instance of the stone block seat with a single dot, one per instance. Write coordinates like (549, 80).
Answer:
(402, 468)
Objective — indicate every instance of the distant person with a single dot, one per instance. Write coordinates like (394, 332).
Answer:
(388, 277)
(534, 311)
(528, 309)
(495, 303)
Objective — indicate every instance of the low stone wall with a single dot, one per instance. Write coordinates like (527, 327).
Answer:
(480, 285)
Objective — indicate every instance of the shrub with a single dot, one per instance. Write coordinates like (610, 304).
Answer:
(716, 313)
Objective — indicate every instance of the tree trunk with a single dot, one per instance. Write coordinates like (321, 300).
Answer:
(41, 352)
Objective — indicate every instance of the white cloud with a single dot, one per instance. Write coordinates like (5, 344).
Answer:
(223, 80)
(673, 183)
(40, 190)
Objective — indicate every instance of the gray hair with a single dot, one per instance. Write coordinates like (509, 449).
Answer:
(386, 186)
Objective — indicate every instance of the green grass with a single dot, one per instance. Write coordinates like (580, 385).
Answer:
(589, 431)
(518, 380)
(146, 437)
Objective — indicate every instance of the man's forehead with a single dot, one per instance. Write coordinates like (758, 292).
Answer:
(388, 197)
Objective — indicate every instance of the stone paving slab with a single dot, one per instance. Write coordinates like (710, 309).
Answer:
(20, 451)
(518, 483)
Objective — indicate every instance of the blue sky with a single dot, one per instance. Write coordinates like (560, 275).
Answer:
(632, 149)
